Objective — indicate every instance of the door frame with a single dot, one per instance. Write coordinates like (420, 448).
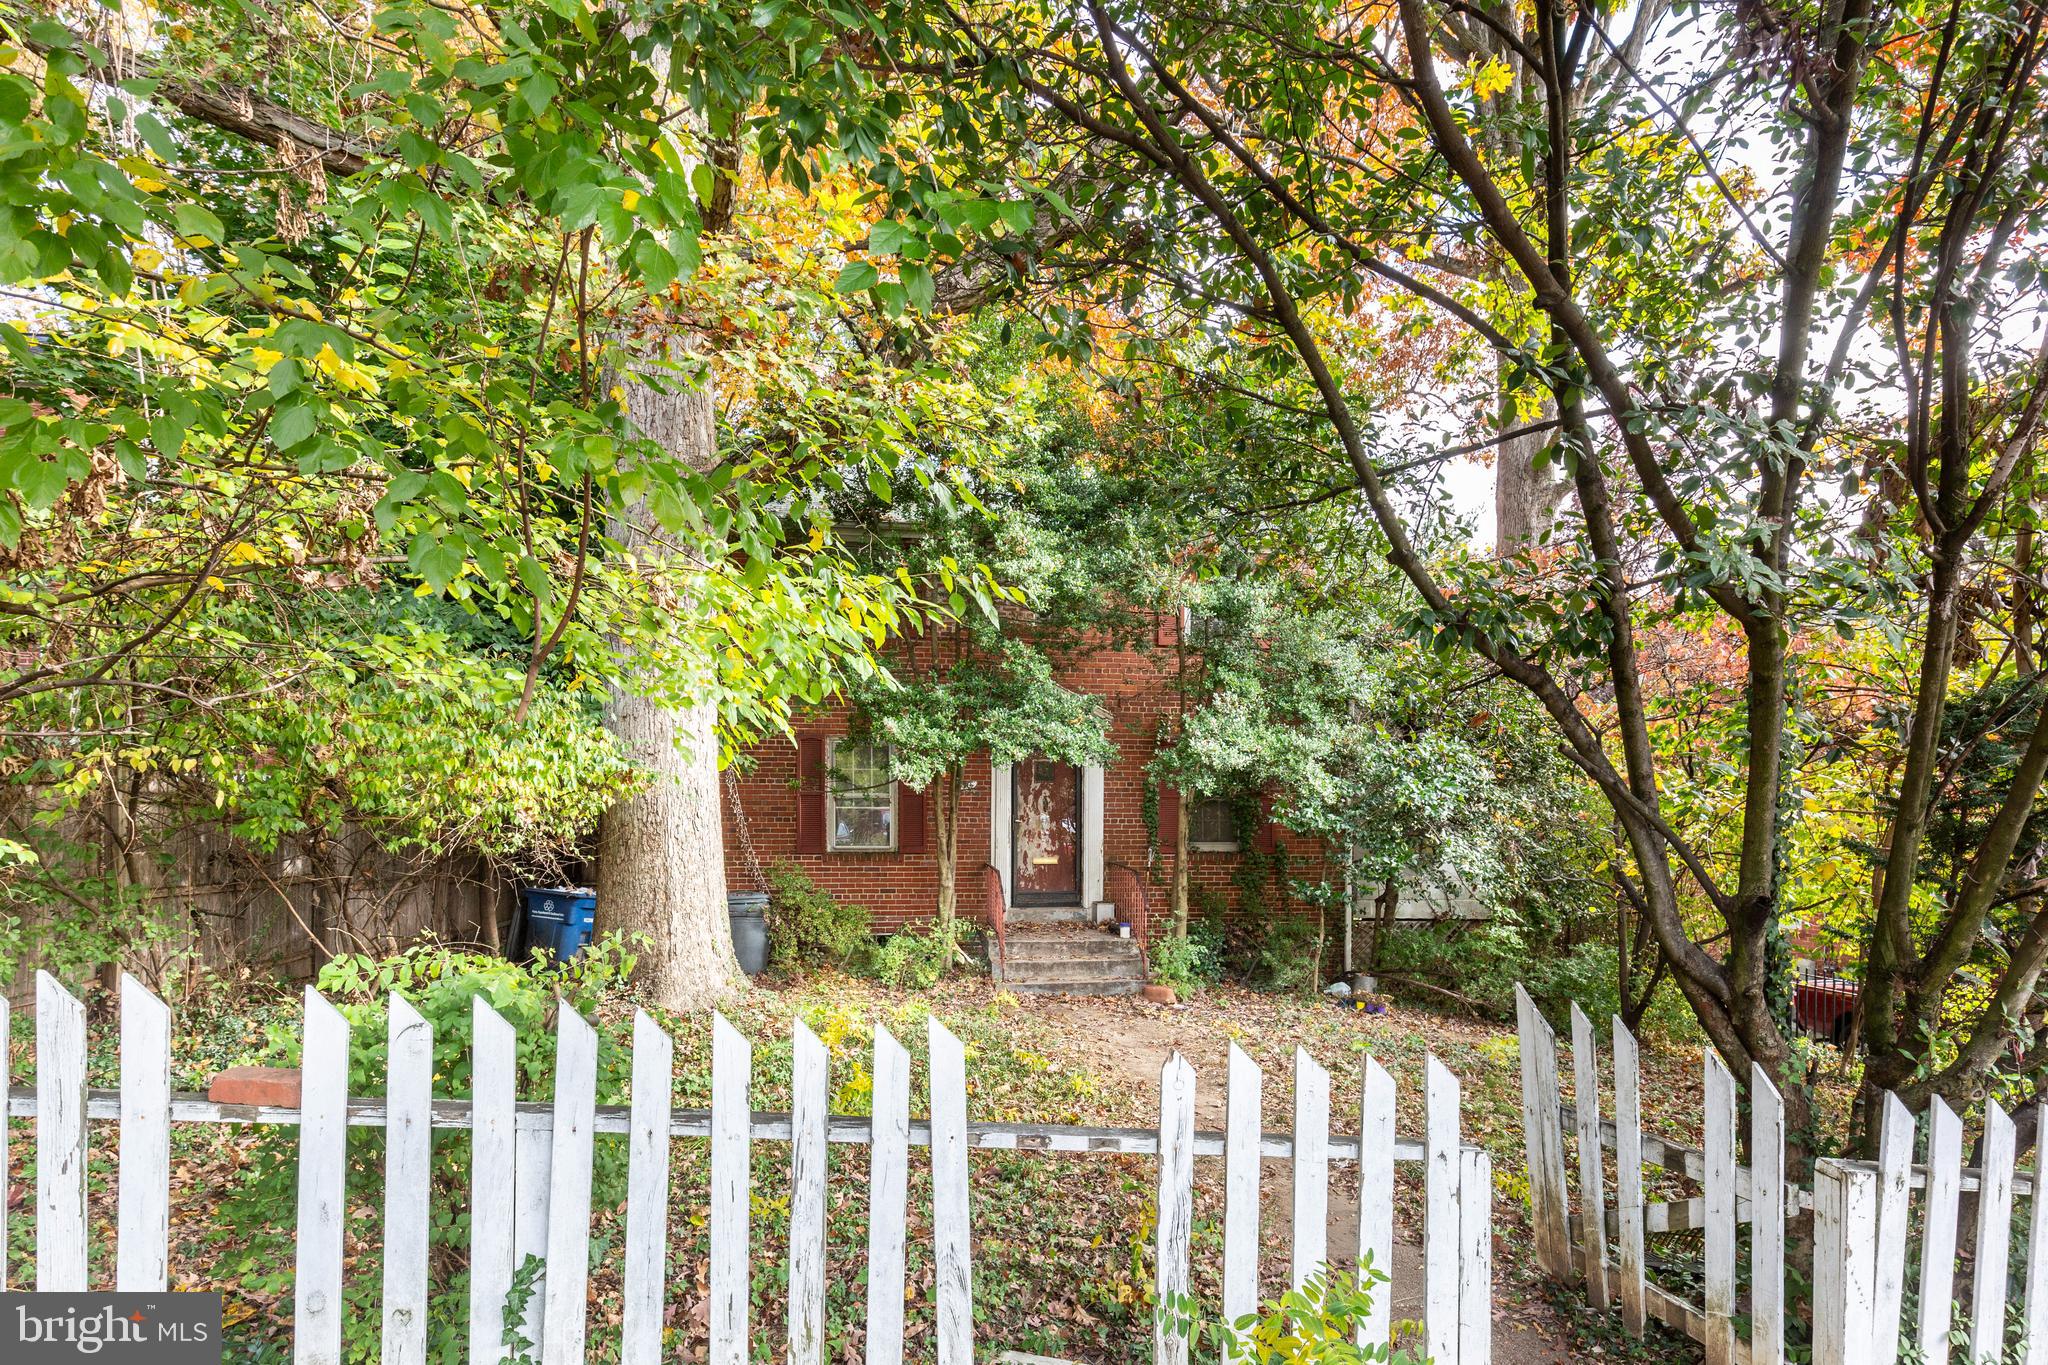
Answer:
(1003, 821)
(1023, 897)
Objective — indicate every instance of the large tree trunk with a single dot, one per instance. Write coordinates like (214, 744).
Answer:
(661, 853)
(1525, 498)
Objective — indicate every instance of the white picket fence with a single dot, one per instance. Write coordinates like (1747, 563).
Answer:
(1866, 1216)
(531, 1182)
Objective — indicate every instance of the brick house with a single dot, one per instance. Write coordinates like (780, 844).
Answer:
(1058, 839)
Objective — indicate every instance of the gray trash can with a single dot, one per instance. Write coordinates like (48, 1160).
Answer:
(748, 911)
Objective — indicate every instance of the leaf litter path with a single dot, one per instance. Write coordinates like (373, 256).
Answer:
(1124, 1043)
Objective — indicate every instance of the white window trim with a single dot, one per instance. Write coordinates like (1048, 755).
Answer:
(832, 844)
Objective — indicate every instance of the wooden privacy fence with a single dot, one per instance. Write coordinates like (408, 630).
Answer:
(1866, 1217)
(531, 1165)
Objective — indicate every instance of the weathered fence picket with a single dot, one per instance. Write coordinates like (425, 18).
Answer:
(1865, 1220)
(1309, 1226)
(60, 1138)
(1719, 1280)
(732, 1073)
(1994, 1238)
(323, 1174)
(2034, 1304)
(644, 1286)
(143, 1229)
(1475, 1257)
(1628, 1175)
(494, 1071)
(810, 1102)
(1440, 1186)
(1376, 1193)
(566, 1322)
(533, 1148)
(1544, 1140)
(888, 1195)
(1938, 1218)
(1592, 1180)
(952, 1265)
(1241, 1187)
(1176, 1207)
(408, 1167)
(1767, 1216)
(531, 1165)
(1894, 1167)
(1844, 1261)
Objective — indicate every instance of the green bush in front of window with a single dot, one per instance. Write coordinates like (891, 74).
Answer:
(809, 927)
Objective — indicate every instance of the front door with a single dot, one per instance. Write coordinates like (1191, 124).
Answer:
(1047, 841)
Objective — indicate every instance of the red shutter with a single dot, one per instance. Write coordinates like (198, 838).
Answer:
(1268, 837)
(910, 821)
(1169, 819)
(810, 795)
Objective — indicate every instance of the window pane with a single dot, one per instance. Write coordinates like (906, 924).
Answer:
(861, 826)
(863, 796)
(1212, 823)
(858, 769)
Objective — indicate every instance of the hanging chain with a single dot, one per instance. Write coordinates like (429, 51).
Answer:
(739, 813)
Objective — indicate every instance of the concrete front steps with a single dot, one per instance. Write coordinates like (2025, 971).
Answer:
(1051, 950)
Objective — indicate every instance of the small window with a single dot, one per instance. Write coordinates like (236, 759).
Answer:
(1212, 825)
(1202, 629)
(861, 797)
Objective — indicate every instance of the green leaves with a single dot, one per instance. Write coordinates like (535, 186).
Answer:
(313, 454)
(198, 225)
(888, 236)
(293, 422)
(919, 286)
(857, 278)
(436, 561)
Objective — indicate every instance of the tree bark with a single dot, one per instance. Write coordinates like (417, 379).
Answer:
(242, 112)
(1525, 498)
(1384, 907)
(946, 794)
(661, 853)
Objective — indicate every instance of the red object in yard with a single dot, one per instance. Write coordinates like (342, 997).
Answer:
(1825, 1007)
(272, 1086)
(1160, 995)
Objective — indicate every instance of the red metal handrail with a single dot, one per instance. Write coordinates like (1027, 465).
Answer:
(993, 889)
(1127, 890)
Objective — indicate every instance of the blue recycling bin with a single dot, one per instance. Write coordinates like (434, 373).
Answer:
(559, 919)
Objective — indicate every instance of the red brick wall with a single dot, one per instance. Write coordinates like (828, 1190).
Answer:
(1136, 686)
